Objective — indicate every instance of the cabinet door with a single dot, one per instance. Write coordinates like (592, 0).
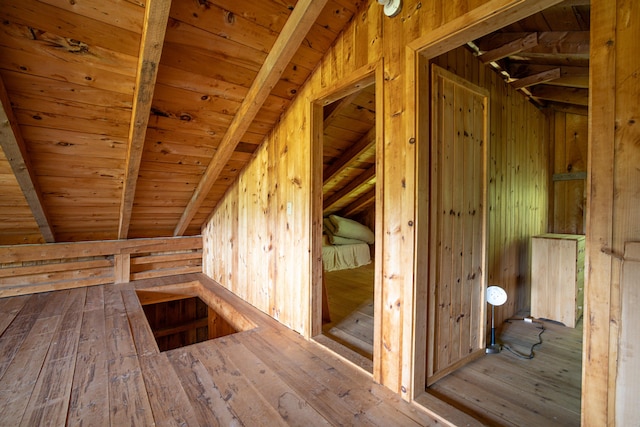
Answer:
(456, 331)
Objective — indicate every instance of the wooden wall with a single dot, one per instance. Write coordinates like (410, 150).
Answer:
(517, 176)
(613, 216)
(261, 250)
(569, 132)
(28, 269)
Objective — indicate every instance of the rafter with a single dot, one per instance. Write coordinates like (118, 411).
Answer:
(576, 96)
(16, 153)
(358, 182)
(549, 42)
(360, 204)
(538, 78)
(333, 110)
(510, 48)
(155, 25)
(353, 152)
(295, 29)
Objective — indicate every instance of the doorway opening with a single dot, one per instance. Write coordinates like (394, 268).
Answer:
(534, 186)
(345, 196)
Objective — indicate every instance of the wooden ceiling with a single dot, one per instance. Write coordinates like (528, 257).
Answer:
(130, 118)
(349, 154)
(545, 56)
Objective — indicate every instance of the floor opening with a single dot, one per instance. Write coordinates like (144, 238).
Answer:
(178, 320)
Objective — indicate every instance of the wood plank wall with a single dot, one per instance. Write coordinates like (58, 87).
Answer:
(28, 269)
(517, 179)
(569, 132)
(254, 248)
(613, 212)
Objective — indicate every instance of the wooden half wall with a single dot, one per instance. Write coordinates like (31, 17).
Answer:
(26, 269)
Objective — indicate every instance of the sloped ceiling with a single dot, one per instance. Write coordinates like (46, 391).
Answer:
(131, 118)
(125, 118)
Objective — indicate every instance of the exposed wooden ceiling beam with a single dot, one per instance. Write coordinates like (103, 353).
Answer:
(16, 152)
(333, 110)
(510, 48)
(295, 29)
(358, 182)
(519, 70)
(360, 204)
(153, 32)
(353, 152)
(549, 42)
(573, 109)
(565, 95)
(538, 78)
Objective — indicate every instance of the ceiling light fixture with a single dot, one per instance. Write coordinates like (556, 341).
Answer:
(391, 7)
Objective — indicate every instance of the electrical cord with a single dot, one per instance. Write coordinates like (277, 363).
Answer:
(531, 354)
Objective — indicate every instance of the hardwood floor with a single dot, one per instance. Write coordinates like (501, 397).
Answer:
(505, 390)
(498, 389)
(350, 296)
(87, 357)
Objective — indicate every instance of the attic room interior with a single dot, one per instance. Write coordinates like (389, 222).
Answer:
(185, 184)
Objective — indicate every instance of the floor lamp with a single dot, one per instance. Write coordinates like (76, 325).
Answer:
(495, 296)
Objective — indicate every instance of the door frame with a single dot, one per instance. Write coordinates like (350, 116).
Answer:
(363, 77)
(482, 20)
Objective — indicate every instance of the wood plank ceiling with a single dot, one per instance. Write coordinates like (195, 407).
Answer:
(131, 118)
(545, 56)
(349, 154)
(126, 118)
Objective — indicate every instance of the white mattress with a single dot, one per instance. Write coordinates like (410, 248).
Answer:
(341, 257)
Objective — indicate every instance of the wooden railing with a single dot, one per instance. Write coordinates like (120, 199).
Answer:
(26, 269)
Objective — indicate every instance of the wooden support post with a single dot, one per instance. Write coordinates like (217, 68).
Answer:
(121, 267)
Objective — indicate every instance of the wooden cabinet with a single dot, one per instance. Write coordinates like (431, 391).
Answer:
(557, 277)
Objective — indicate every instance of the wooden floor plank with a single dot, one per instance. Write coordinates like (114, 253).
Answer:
(360, 388)
(17, 331)
(169, 402)
(49, 400)
(208, 402)
(235, 385)
(350, 299)
(90, 390)
(9, 309)
(503, 389)
(293, 408)
(128, 398)
(332, 393)
(144, 341)
(16, 385)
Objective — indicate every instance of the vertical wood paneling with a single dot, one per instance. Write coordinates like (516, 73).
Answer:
(623, 357)
(517, 180)
(457, 255)
(599, 268)
(569, 157)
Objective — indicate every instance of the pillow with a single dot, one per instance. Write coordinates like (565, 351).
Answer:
(328, 227)
(351, 229)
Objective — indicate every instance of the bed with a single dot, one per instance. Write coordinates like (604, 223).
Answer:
(345, 244)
